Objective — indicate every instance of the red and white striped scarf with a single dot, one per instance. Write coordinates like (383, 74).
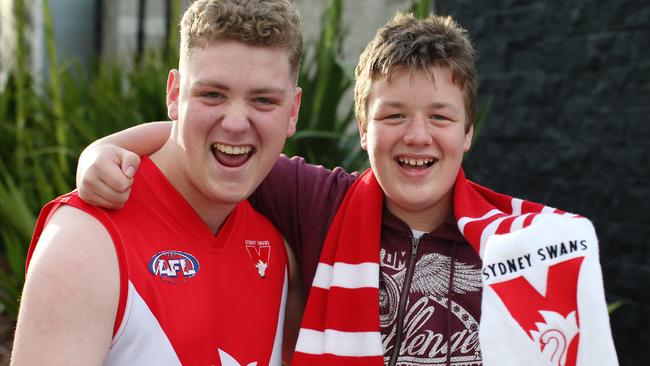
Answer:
(540, 270)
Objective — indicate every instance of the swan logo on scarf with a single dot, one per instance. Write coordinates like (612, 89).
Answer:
(260, 253)
(550, 320)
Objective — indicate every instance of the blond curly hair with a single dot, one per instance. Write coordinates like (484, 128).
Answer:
(266, 23)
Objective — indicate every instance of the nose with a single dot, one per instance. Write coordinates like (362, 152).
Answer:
(418, 131)
(235, 119)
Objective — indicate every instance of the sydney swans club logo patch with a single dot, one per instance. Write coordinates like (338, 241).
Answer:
(260, 253)
(550, 320)
(174, 266)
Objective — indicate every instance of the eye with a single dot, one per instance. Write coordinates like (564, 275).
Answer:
(395, 116)
(264, 100)
(212, 95)
(439, 117)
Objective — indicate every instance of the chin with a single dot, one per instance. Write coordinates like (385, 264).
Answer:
(230, 197)
(423, 201)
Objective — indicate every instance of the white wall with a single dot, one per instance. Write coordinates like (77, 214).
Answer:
(361, 18)
(120, 29)
(7, 40)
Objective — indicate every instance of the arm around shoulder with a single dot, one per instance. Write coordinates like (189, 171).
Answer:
(142, 139)
(106, 167)
(70, 299)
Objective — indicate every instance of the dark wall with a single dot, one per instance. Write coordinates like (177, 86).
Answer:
(570, 127)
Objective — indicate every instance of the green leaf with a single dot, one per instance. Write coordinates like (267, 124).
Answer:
(42, 131)
(421, 8)
(615, 305)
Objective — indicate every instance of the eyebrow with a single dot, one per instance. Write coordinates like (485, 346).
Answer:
(263, 90)
(437, 105)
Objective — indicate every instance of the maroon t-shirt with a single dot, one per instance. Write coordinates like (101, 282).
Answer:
(417, 329)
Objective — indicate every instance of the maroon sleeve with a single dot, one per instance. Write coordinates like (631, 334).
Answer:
(301, 200)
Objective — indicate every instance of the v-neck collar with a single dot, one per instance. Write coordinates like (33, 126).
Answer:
(157, 186)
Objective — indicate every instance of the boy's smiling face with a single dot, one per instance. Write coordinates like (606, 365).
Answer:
(234, 106)
(415, 137)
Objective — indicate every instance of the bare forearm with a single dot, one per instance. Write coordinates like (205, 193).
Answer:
(107, 166)
(143, 139)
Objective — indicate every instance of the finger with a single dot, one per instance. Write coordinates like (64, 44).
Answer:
(97, 200)
(116, 202)
(112, 176)
(129, 163)
(108, 205)
(98, 193)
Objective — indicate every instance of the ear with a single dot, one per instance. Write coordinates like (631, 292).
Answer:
(173, 90)
(363, 139)
(468, 138)
(295, 109)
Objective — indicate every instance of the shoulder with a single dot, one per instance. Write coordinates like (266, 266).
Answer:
(297, 167)
(295, 177)
(76, 253)
(71, 234)
(71, 289)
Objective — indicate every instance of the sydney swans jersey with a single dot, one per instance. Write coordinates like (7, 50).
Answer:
(187, 296)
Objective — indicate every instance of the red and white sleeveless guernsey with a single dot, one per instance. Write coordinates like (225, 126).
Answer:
(187, 296)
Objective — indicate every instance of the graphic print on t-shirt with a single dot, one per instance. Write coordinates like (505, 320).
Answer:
(428, 303)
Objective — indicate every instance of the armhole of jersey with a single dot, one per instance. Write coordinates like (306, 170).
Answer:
(121, 262)
(101, 216)
(43, 218)
(285, 254)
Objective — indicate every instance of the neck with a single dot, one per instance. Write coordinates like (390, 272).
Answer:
(211, 212)
(425, 219)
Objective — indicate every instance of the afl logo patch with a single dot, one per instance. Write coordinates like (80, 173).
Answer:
(174, 266)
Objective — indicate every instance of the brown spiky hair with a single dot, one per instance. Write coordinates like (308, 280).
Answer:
(406, 42)
(265, 23)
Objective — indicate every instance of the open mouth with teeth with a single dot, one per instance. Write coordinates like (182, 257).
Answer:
(412, 163)
(232, 155)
